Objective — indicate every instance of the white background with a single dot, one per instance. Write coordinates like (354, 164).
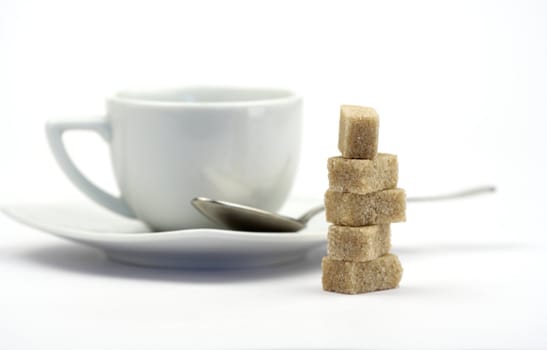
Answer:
(461, 89)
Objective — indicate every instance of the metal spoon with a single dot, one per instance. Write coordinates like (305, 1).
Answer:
(244, 218)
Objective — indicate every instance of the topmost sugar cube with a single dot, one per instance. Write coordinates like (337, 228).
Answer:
(358, 133)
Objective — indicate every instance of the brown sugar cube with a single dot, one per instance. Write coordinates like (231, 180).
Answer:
(358, 243)
(363, 175)
(352, 209)
(358, 132)
(352, 277)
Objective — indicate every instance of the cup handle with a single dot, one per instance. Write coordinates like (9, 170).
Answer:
(54, 131)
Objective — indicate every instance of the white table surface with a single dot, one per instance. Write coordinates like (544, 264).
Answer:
(473, 277)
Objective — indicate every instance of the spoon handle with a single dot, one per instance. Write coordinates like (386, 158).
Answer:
(310, 214)
(453, 195)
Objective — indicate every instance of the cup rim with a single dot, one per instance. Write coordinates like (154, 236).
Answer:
(123, 96)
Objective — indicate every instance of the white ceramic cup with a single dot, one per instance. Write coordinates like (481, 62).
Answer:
(170, 145)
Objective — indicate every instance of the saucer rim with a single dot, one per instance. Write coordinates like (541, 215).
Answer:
(305, 235)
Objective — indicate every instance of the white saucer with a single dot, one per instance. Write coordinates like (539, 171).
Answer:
(130, 241)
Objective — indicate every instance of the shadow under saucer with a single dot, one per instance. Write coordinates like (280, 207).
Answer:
(84, 260)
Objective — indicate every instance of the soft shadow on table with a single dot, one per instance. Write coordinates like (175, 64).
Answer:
(84, 260)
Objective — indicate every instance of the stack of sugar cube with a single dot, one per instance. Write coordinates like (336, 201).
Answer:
(361, 203)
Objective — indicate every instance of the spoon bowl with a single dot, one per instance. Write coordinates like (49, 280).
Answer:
(244, 218)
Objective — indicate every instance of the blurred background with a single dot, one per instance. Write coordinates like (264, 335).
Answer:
(461, 87)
